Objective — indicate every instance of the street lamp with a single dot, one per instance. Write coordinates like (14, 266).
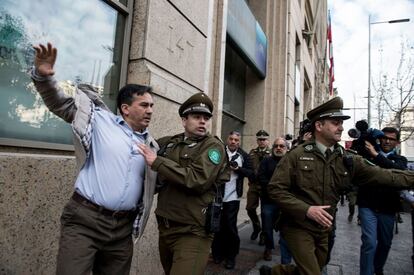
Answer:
(369, 56)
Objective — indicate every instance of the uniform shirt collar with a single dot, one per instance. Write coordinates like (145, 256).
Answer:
(322, 148)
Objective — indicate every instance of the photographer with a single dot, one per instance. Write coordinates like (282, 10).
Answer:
(226, 242)
(378, 206)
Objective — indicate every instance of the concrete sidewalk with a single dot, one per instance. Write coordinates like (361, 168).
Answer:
(345, 255)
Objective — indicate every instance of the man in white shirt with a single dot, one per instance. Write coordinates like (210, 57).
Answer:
(226, 242)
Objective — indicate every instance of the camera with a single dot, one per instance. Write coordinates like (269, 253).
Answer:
(362, 133)
(234, 164)
(305, 126)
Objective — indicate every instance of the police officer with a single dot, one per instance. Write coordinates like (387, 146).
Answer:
(190, 166)
(307, 184)
(253, 193)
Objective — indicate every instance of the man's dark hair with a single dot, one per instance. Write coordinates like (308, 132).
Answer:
(392, 130)
(126, 94)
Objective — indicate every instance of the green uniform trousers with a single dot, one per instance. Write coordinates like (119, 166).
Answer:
(184, 249)
(253, 198)
(309, 250)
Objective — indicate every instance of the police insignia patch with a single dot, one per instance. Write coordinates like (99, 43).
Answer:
(309, 147)
(214, 156)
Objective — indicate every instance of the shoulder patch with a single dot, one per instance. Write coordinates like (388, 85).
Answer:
(309, 147)
(214, 156)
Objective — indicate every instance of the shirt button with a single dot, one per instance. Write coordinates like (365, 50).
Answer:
(306, 167)
(185, 155)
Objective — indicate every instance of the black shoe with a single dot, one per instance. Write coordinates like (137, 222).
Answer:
(217, 260)
(265, 270)
(229, 264)
(262, 239)
(254, 235)
(379, 273)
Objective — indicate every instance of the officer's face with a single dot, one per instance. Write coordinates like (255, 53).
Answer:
(388, 142)
(233, 142)
(262, 142)
(138, 114)
(196, 125)
(329, 131)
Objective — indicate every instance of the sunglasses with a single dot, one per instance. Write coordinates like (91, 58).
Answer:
(279, 146)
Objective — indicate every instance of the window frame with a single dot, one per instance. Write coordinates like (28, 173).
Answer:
(126, 11)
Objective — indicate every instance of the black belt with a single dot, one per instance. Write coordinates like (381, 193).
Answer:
(93, 206)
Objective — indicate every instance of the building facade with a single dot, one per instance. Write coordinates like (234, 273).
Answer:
(263, 63)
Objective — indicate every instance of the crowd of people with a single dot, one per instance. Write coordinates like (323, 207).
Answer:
(199, 182)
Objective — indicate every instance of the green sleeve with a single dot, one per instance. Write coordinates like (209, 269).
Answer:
(366, 173)
(279, 189)
(197, 176)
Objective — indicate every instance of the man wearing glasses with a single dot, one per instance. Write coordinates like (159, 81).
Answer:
(378, 206)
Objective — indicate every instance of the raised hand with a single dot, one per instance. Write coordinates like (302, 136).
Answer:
(45, 59)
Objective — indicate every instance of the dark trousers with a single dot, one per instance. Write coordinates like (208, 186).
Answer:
(226, 242)
(90, 241)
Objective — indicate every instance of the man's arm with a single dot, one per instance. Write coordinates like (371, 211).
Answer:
(54, 98)
(366, 173)
(198, 176)
(397, 162)
(279, 191)
(246, 170)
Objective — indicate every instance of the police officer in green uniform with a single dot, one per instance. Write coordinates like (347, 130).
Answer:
(190, 167)
(253, 193)
(307, 185)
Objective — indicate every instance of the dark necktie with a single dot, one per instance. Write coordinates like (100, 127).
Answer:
(328, 153)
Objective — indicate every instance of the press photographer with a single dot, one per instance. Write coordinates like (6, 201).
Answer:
(378, 206)
(363, 133)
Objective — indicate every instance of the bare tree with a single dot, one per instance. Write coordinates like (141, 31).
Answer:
(395, 94)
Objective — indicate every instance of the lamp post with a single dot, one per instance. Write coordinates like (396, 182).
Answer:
(369, 56)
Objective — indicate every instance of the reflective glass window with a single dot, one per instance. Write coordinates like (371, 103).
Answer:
(89, 37)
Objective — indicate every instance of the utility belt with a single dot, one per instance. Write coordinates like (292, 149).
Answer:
(100, 209)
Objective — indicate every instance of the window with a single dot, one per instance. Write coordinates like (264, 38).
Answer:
(89, 36)
(234, 92)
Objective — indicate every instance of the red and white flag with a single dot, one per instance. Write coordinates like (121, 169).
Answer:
(330, 54)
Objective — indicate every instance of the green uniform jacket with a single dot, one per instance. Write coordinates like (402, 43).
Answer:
(188, 170)
(256, 156)
(305, 178)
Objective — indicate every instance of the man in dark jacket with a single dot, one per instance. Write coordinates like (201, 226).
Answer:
(226, 242)
(269, 209)
(378, 206)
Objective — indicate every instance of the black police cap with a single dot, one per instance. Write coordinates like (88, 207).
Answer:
(262, 134)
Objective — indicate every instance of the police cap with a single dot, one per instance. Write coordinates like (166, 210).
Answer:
(197, 103)
(330, 109)
(262, 134)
